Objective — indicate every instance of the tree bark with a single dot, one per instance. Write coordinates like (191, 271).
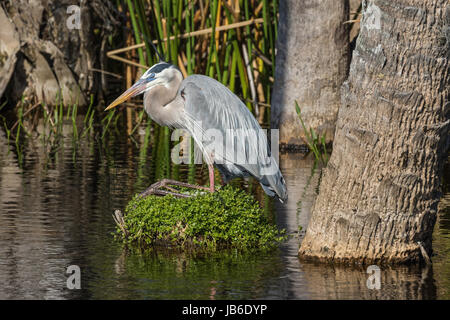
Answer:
(54, 62)
(311, 65)
(9, 46)
(379, 194)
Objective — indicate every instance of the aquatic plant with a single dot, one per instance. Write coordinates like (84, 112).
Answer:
(229, 218)
(314, 142)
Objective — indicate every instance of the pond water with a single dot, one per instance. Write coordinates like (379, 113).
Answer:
(56, 210)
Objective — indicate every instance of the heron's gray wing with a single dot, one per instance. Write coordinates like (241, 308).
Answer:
(211, 109)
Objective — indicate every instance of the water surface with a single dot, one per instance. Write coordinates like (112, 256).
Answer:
(56, 211)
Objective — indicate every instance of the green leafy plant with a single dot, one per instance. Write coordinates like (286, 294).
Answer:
(228, 218)
(315, 143)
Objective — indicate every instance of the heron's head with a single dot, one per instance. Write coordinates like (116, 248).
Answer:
(161, 73)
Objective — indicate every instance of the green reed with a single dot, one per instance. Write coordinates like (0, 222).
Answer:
(49, 123)
(315, 143)
(216, 54)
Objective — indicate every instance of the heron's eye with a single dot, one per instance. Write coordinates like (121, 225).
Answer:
(148, 75)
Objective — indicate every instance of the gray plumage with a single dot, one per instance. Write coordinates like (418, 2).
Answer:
(216, 107)
(220, 123)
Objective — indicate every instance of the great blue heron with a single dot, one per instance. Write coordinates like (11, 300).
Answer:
(206, 108)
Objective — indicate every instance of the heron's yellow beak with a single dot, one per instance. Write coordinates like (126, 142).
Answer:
(134, 90)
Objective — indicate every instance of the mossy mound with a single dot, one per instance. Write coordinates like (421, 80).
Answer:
(228, 218)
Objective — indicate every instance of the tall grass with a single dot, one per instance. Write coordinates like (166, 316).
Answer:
(241, 58)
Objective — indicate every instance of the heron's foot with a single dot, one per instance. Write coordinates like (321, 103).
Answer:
(165, 187)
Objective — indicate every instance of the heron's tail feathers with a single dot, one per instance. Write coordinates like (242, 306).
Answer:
(274, 185)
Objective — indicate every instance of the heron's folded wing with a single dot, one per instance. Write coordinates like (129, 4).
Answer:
(212, 109)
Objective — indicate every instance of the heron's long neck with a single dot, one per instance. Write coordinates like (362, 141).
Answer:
(160, 102)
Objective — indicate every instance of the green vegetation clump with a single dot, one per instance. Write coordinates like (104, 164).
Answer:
(228, 218)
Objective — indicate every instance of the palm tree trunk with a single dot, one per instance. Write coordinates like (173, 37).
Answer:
(311, 65)
(379, 194)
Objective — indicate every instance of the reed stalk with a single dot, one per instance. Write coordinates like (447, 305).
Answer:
(205, 37)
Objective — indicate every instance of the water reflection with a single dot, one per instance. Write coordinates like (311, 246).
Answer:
(340, 282)
(55, 211)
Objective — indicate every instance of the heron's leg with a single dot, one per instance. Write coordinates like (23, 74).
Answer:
(211, 177)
